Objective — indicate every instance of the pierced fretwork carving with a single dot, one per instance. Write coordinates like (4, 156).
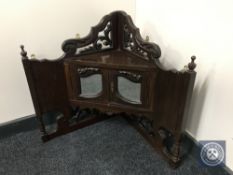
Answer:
(103, 41)
(81, 114)
(171, 146)
(102, 35)
(131, 76)
(86, 71)
(167, 137)
(100, 38)
(134, 43)
(143, 122)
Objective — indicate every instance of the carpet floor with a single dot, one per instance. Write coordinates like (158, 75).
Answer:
(111, 147)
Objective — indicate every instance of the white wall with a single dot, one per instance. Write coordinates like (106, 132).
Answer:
(42, 26)
(204, 28)
(181, 28)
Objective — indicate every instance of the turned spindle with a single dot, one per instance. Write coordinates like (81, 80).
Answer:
(23, 53)
(192, 65)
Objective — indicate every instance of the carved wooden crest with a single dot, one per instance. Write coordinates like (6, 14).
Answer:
(114, 31)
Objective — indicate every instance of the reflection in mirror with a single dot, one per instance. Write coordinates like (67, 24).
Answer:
(91, 86)
(129, 90)
(49, 119)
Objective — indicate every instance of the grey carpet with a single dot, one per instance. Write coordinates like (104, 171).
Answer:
(111, 147)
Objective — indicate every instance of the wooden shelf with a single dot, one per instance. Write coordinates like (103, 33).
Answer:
(113, 59)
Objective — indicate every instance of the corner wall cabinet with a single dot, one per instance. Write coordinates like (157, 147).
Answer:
(112, 71)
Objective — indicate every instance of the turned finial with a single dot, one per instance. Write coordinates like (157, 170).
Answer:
(23, 53)
(192, 65)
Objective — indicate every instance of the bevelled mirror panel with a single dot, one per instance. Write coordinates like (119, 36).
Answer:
(91, 86)
(129, 90)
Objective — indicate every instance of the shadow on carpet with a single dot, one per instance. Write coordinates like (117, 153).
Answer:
(111, 147)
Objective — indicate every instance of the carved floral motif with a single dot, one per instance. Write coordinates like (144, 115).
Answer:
(86, 71)
(131, 76)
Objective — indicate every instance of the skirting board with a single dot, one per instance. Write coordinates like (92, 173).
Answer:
(23, 124)
(190, 145)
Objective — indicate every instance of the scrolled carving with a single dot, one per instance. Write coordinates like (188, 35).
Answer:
(80, 114)
(130, 44)
(104, 35)
(131, 76)
(69, 47)
(170, 146)
(134, 43)
(86, 71)
(144, 123)
(103, 41)
(100, 38)
(105, 38)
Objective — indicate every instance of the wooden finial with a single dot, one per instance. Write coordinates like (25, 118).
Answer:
(23, 53)
(192, 65)
(147, 39)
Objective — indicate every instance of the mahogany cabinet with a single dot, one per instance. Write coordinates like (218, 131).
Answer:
(112, 72)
